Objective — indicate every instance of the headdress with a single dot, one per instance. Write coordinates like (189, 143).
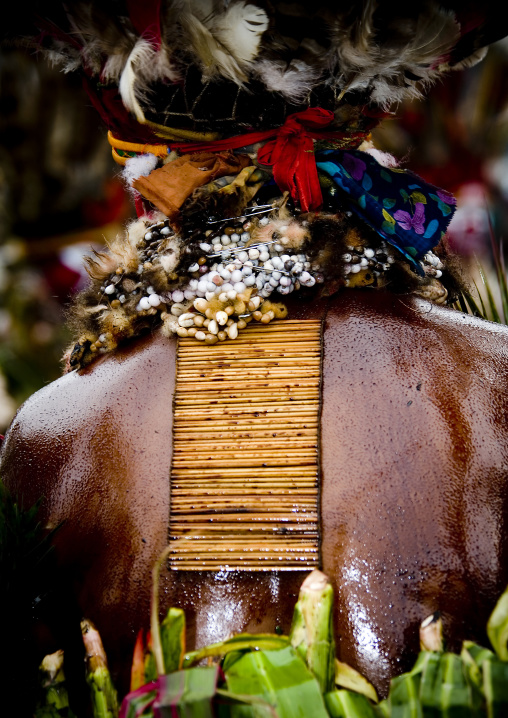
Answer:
(244, 132)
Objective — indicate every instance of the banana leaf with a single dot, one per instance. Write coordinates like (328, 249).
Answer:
(428, 665)
(187, 694)
(181, 694)
(495, 687)
(312, 628)
(345, 704)
(497, 627)
(173, 639)
(240, 642)
(473, 656)
(348, 677)
(457, 695)
(403, 700)
(280, 678)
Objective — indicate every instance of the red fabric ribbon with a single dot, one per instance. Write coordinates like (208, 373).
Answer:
(289, 149)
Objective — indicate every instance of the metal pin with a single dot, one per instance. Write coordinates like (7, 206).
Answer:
(260, 210)
(234, 250)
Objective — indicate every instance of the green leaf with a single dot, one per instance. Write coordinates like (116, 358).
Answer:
(403, 700)
(173, 639)
(473, 657)
(188, 693)
(344, 704)
(348, 677)
(495, 687)
(497, 627)
(492, 305)
(457, 699)
(240, 642)
(150, 667)
(429, 666)
(138, 704)
(312, 628)
(473, 307)
(281, 679)
(483, 311)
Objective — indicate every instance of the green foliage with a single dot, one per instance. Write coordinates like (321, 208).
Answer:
(271, 676)
(27, 579)
(488, 308)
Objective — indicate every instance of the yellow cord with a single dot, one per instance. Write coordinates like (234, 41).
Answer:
(161, 150)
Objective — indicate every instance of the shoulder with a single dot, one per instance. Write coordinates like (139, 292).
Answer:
(105, 406)
(368, 322)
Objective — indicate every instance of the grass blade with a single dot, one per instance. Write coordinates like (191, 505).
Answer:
(497, 252)
(240, 642)
(492, 305)
(483, 310)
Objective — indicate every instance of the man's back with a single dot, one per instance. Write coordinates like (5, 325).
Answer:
(413, 484)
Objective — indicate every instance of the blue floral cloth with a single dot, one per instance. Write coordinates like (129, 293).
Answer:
(409, 213)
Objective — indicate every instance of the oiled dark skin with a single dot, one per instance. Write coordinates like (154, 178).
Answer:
(414, 477)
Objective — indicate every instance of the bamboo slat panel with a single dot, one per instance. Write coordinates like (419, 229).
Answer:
(244, 477)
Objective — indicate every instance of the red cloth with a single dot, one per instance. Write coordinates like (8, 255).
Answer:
(290, 150)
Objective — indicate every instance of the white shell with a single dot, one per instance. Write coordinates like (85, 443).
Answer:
(232, 331)
(221, 318)
(177, 310)
(186, 319)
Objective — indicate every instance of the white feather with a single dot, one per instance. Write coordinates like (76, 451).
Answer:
(144, 65)
(214, 58)
(139, 166)
(225, 43)
(294, 82)
(365, 63)
(240, 29)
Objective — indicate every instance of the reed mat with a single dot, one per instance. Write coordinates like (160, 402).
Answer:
(244, 478)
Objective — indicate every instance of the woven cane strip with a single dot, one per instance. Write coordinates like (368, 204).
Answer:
(244, 479)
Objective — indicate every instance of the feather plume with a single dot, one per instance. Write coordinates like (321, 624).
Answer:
(239, 29)
(144, 65)
(388, 54)
(294, 82)
(225, 43)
